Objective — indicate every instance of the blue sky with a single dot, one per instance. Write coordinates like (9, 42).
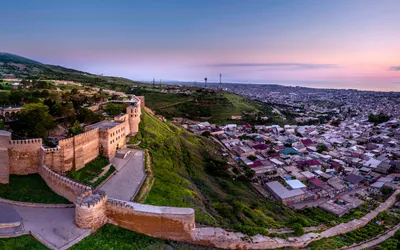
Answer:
(341, 43)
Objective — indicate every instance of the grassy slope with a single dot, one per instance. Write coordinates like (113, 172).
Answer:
(29, 188)
(178, 105)
(189, 173)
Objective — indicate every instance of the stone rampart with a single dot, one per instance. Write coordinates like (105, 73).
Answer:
(5, 137)
(74, 152)
(53, 158)
(62, 185)
(24, 156)
(67, 147)
(90, 210)
(87, 147)
(162, 222)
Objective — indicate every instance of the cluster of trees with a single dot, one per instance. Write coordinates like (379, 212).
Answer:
(34, 121)
(115, 109)
(38, 118)
(19, 97)
(378, 118)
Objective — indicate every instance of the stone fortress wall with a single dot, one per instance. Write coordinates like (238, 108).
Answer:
(171, 223)
(5, 137)
(22, 157)
(68, 188)
(93, 208)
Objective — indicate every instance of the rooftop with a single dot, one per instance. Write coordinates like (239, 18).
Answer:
(281, 191)
(295, 184)
(105, 124)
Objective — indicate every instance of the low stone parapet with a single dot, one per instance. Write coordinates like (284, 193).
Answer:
(163, 222)
(66, 187)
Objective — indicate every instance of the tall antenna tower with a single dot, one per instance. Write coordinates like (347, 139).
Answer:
(220, 85)
(205, 82)
(154, 83)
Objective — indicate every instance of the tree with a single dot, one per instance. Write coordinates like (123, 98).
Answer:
(321, 148)
(252, 157)
(115, 108)
(87, 116)
(379, 118)
(34, 120)
(75, 129)
(298, 229)
(206, 133)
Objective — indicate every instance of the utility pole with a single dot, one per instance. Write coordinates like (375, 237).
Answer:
(220, 85)
(205, 82)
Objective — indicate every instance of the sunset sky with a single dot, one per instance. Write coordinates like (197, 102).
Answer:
(316, 43)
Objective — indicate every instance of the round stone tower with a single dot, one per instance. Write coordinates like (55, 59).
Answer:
(90, 210)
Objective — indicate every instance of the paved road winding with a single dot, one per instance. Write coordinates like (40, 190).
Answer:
(128, 179)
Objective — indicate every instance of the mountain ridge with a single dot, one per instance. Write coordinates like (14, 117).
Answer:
(16, 66)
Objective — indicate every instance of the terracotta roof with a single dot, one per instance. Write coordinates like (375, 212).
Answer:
(256, 164)
(312, 162)
(307, 142)
(316, 182)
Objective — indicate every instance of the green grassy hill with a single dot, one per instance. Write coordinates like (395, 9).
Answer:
(206, 106)
(190, 172)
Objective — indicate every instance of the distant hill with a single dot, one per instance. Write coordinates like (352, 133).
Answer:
(14, 66)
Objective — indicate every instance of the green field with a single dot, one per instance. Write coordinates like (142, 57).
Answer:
(30, 188)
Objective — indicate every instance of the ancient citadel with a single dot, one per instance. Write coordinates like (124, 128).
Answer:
(93, 208)
(23, 157)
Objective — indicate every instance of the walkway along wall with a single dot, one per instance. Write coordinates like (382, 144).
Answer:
(162, 222)
(62, 185)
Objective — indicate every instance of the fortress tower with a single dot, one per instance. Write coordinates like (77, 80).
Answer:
(90, 210)
(134, 111)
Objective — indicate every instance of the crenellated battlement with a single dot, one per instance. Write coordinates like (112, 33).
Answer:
(87, 135)
(27, 141)
(116, 202)
(66, 141)
(91, 199)
(90, 209)
(64, 179)
(51, 150)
